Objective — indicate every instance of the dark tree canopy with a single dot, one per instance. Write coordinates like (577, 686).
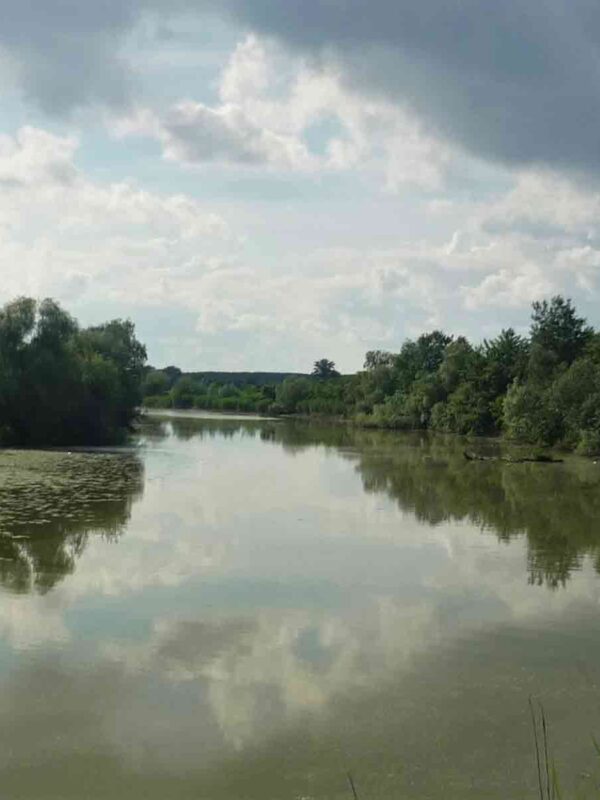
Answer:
(325, 369)
(556, 328)
(63, 385)
(378, 358)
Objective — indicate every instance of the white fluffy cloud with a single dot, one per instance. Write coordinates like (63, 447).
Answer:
(541, 237)
(272, 104)
(36, 157)
(80, 240)
(63, 234)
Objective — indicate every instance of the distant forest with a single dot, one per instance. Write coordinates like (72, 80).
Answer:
(542, 389)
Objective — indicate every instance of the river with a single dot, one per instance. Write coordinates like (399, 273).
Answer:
(244, 608)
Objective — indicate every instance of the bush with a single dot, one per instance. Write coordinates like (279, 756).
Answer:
(530, 415)
(466, 411)
(589, 442)
(158, 401)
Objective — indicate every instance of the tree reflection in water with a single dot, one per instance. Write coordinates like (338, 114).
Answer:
(557, 506)
(51, 502)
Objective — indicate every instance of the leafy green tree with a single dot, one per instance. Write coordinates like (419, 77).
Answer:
(325, 369)
(557, 328)
(115, 341)
(576, 397)
(420, 358)
(63, 385)
(292, 392)
(173, 374)
(531, 416)
(506, 359)
(184, 391)
(378, 358)
(431, 348)
(461, 362)
(467, 411)
(156, 382)
(372, 386)
(17, 322)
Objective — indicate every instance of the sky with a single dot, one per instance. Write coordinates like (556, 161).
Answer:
(258, 184)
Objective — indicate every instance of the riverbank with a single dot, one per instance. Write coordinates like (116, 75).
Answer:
(542, 389)
(474, 448)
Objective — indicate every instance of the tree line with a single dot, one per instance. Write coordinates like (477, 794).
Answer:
(543, 388)
(61, 384)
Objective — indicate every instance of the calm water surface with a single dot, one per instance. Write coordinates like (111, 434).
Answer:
(251, 609)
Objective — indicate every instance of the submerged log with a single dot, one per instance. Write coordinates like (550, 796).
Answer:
(475, 457)
(539, 459)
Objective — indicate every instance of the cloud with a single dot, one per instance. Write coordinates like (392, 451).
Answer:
(280, 111)
(35, 156)
(307, 658)
(27, 622)
(542, 237)
(245, 643)
(169, 252)
(509, 287)
(193, 133)
(64, 54)
(513, 81)
(50, 212)
(222, 305)
(545, 206)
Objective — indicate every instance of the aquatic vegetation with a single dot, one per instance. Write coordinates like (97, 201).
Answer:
(51, 502)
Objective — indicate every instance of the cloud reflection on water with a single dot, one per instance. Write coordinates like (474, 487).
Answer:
(263, 609)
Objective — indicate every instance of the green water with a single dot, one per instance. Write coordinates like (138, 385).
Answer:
(251, 609)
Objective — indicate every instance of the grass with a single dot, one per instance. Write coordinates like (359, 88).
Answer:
(352, 786)
(548, 785)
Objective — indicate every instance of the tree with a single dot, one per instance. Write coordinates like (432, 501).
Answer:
(506, 359)
(62, 385)
(184, 391)
(325, 369)
(431, 348)
(421, 358)
(116, 343)
(530, 415)
(461, 363)
(292, 392)
(17, 320)
(378, 358)
(467, 411)
(557, 328)
(173, 374)
(155, 383)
